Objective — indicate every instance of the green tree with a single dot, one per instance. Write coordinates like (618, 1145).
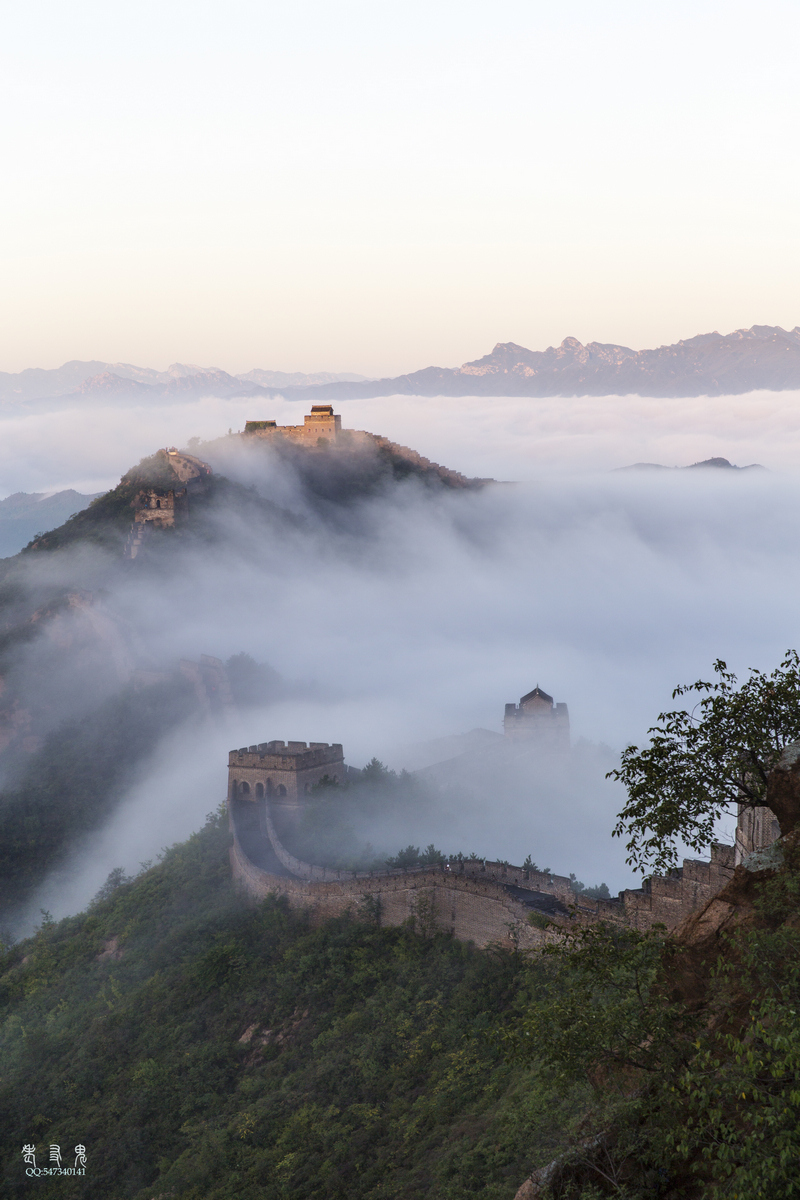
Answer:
(376, 772)
(702, 762)
(737, 1101)
(693, 1057)
(409, 857)
(602, 1005)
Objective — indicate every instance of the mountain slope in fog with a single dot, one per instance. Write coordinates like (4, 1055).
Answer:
(87, 693)
(353, 470)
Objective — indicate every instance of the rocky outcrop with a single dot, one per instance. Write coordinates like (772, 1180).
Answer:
(581, 1165)
(783, 789)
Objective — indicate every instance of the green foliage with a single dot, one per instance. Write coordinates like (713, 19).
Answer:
(326, 784)
(600, 1007)
(105, 522)
(431, 857)
(376, 774)
(409, 857)
(538, 920)
(701, 762)
(598, 892)
(742, 1107)
(238, 1054)
(739, 1098)
(117, 878)
(412, 856)
(698, 1100)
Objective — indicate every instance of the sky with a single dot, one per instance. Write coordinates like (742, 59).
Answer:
(379, 186)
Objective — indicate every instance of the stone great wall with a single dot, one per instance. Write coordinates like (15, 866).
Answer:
(486, 903)
(479, 901)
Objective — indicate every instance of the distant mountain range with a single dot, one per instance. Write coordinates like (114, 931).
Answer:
(763, 357)
(24, 514)
(96, 381)
(714, 463)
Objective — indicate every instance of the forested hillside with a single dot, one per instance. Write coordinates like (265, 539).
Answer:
(206, 1050)
(203, 1050)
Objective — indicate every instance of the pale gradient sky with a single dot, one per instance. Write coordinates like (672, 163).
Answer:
(379, 186)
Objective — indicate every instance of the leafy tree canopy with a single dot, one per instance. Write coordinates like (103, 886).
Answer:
(702, 762)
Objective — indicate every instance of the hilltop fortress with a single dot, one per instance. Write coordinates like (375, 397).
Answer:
(322, 432)
(321, 422)
(169, 481)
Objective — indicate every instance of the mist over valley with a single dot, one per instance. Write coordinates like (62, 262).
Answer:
(387, 605)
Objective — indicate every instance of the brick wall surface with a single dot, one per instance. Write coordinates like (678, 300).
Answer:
(470, 899)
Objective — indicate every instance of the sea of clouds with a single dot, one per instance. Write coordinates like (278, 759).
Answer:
(520, 438)
(421, 617)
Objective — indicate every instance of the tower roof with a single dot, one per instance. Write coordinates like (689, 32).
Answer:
(537, 693)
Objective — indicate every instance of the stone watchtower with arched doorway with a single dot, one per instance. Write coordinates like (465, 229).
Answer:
(281, 774)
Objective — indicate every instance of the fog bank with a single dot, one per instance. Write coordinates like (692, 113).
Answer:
(409, 615)
(503, 437)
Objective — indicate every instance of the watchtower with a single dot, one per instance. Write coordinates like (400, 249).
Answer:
(538, 718)
(321, 422)
(282, 774)
(161, 504)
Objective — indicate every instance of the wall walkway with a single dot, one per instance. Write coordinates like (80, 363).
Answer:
(487, 903)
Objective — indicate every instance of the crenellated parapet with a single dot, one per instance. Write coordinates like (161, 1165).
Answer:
(472, 906)
(283, 772)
